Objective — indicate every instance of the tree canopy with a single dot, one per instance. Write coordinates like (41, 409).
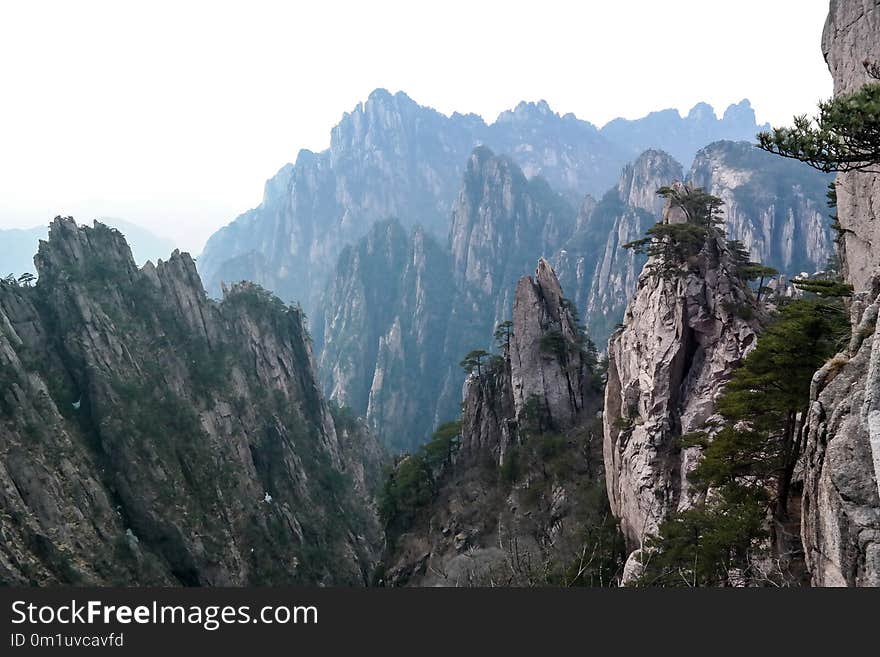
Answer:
(843, 136)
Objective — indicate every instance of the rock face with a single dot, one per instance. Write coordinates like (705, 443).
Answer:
(849, 39)
(391, 339)
(681, 338)
(592, 263)
(547, 363)
(499, 222)
(776, 207)
(841, 504)
(545, 377)
(151, 436)
(401, 313)
(522, 488)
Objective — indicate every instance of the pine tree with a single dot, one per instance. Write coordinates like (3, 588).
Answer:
(843, 136)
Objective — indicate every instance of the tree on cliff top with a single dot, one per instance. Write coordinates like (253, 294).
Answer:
(670, 245)
(843, 136)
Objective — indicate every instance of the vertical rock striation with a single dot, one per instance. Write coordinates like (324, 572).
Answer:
(149, 435)
(680, 340)
(841, 504)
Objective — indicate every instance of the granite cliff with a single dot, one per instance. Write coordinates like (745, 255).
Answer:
(150, 435)
(841, 503)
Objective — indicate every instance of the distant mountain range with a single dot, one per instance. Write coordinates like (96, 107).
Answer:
(391, 157)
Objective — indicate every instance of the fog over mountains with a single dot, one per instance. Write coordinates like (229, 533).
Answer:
(391, 157)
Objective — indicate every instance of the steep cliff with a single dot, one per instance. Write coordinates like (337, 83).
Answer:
(519, 499)
(390, 339)
(593, 263)
(681, 338)
(152, 436)
(841, 504)
(776, 207)
(500, 222)
(848, 40)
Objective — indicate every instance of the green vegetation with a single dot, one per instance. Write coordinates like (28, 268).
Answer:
(745, 474)
(672, 245)
(843, 136)
(413, 483)
(474, 361)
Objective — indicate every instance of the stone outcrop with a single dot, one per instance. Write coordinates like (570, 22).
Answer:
(680, 340)
(149, 435)
(849, 39)
(547, 362)
(841, 502)
(516, 493)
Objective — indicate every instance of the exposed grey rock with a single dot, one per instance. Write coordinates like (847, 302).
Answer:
(774, 206)
(547, 363)
(841, 505)
(131, 405)
(850, 37)
(681, 338)
(500, 222)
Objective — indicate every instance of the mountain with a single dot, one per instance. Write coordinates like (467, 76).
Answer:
(391, 343)
(397, 318)
(152, 436)
(593, 262)
(679, 342)
(683, 136)
(775, 207)
(391, 157)
(18, 246)
(515, 486)
(401, 311)
(500, 221)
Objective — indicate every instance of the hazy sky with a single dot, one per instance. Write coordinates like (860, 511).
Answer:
(173, 114)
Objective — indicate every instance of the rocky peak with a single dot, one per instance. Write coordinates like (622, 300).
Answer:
(640, 180)
(740, 115)
(702, 112)
(547, 362)
(679, 342)
(155, 436)
(526, 111)
(499, 222)
(545, 378)
(70, 248)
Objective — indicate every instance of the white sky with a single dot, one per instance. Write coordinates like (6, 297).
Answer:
(173, 114)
